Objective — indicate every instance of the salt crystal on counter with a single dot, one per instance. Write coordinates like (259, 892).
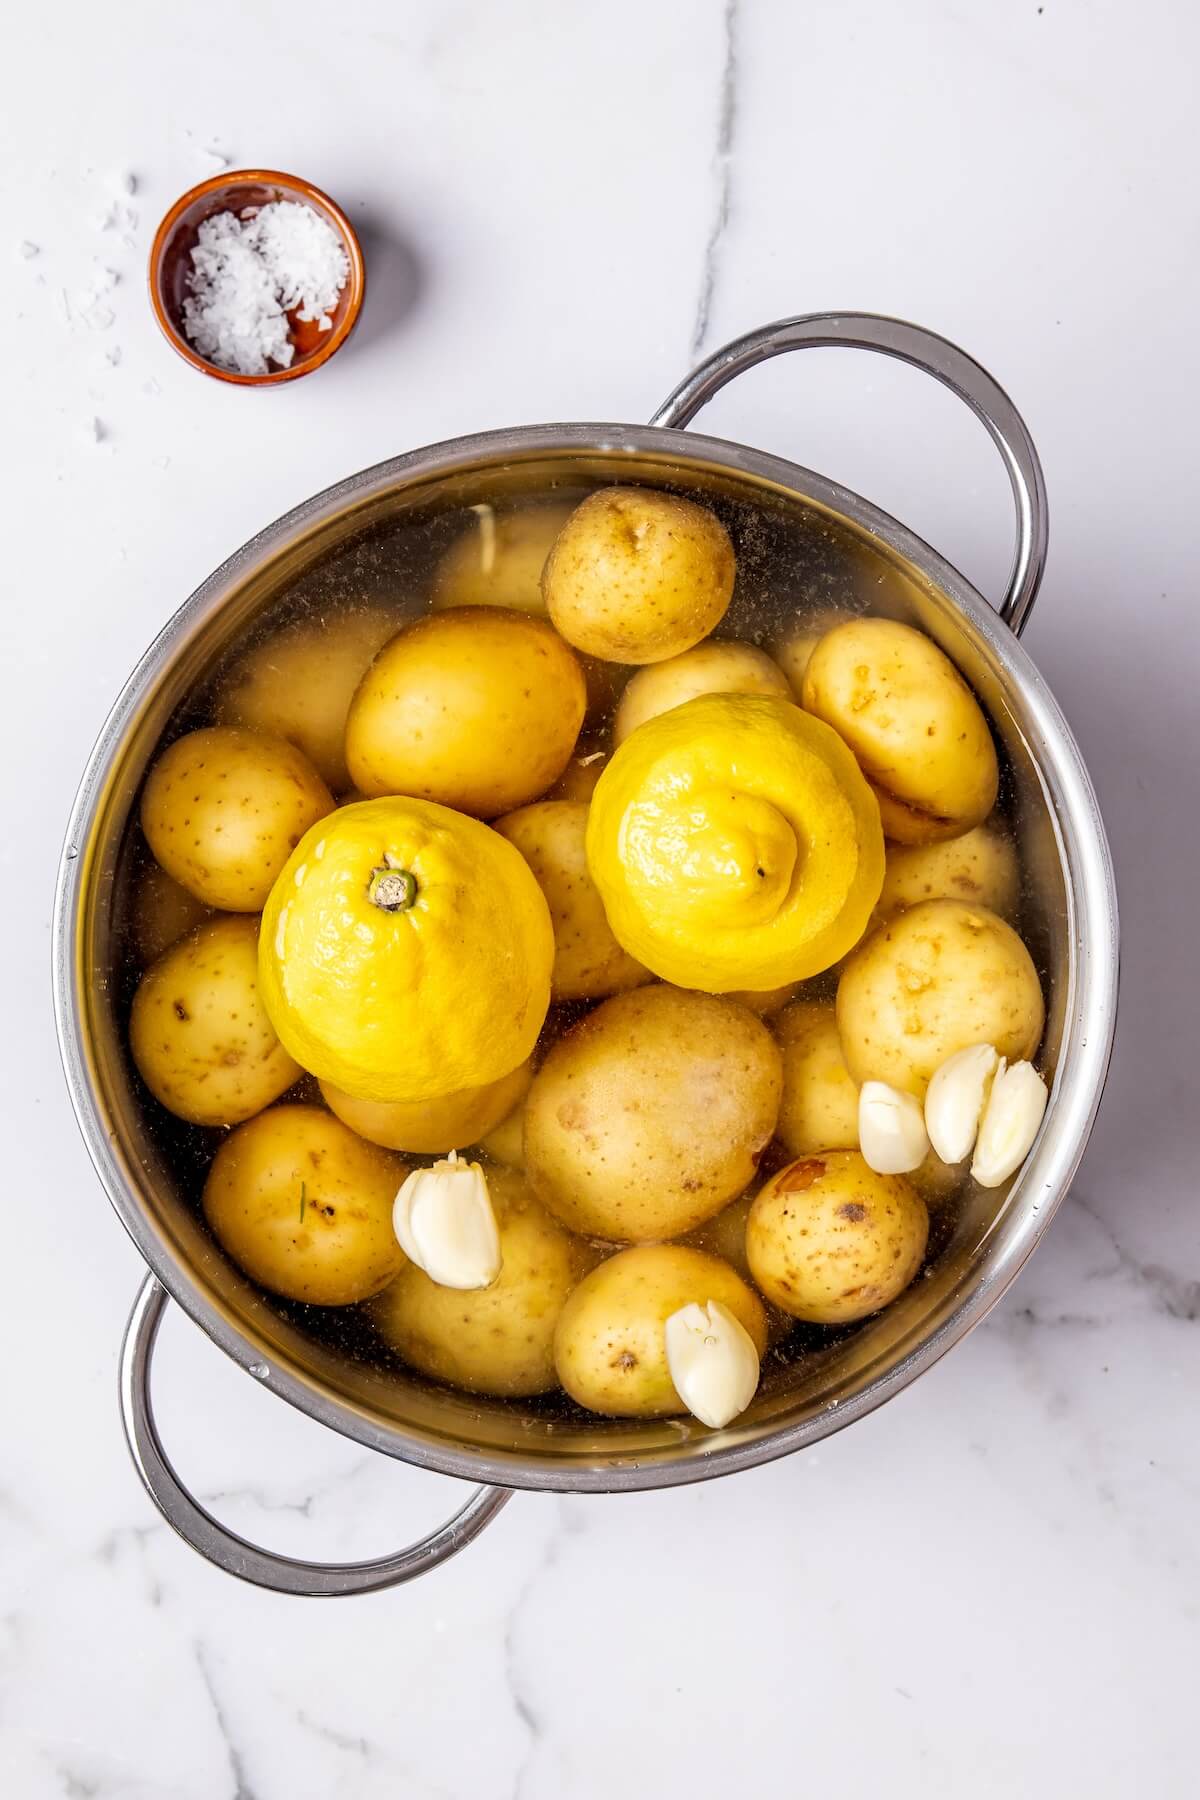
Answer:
(248, 274)
(27, 249)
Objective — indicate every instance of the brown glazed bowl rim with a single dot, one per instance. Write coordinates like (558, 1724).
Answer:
(306, 192)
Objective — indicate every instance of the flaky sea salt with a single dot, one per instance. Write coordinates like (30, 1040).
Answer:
(249, 272)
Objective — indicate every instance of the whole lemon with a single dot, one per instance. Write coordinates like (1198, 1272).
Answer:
(406, 952)
(477, 708)
(735, 844)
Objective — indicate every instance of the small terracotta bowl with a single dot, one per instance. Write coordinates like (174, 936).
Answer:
(170, 264)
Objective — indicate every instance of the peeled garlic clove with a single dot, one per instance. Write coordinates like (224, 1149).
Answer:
(444, 1220)
(712, 1361)
(891, 1130)
(956, 1098)
(1009, 1124)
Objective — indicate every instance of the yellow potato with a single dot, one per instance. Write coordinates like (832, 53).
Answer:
(819, 1109)
(161, 912)
(610, 1347)
(940, 977)
(793, 650)
(918, 731)
(636, 576)
(578, 780)
(506, 1143)
(725, 1236)
(298, 684)
(830, 1241)
(498, 1339)
(305, 1208)
(588, 961)
(498, 558)
(980, 867)
(199, 1034)
(224, 808)
(429, 1127)
(477, 708)
(652, 1113)
(766, 1001)
(708, 668)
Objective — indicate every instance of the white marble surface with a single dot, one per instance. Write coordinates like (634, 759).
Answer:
(992, 1587)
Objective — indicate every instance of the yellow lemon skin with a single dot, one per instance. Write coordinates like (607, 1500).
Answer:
(448, 991)
(735, 844)
(477, 708)
(432, 1127)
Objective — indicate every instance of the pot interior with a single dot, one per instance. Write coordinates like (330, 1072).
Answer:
(375, 541)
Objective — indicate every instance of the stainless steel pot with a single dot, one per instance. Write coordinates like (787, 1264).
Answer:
(1072, 922)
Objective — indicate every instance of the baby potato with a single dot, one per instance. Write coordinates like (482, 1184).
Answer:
(298, 684)
(588, 961)
(980, 867)
(939, 977)
(429, 1127)
(831, 1241)
(651, 1113)
(766, 1001)
(305, 1208)
(497, 560)
(610, 1344)
(199, 1034)
(161, 912)
(636, 576)
(578, 780)
(708, 668)
(499, 1339)
(793, 650)
(916, 728)
(506, 1142)
(223, 809)
(819, 1109)
(477, 708)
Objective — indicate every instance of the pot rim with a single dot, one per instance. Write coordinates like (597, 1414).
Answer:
(1089, 1021)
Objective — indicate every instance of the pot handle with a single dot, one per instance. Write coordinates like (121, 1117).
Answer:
(935, 356)
(216, 1543)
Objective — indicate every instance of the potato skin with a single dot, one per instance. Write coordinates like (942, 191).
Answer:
(819, 1109)
(305, 1208)
(477, 708)
(793, 649)
(727, 667)
(200, 1035)
(431, 1127)
(162, 911)
(916, 728)
(498, 560)
(636, 575)
(588, 961)
(981, 867)
(766, 1001)
(298, 684)
(939, 977)
(223, 809)
(578, 780)
(830, 1241)
(609, 1344)
(500, 1339)
(651, 1114)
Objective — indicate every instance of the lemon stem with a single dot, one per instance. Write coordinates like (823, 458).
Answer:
(392, 890)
